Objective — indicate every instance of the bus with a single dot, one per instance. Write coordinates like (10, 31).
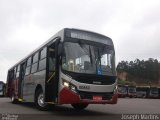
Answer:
(74, 67)
(2, 89)
(153, 92)
(142, 91)
(131, 92)
(122, 91)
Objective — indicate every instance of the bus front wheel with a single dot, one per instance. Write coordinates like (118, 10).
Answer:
(79, 106)
(39, 101)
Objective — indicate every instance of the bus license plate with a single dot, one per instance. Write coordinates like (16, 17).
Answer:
(97, 97)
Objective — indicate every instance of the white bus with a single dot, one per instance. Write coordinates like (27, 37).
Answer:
(74, 67)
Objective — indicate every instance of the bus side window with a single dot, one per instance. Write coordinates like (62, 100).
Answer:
(42, 64)
(23, 66)
(28, 68)
(29, 61)
(42, 61)
(17, 73)
(34, 68)
(43, 53)
(35, 58)
(35, 63)
(11, 75)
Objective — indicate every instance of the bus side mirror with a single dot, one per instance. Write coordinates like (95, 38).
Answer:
(59, 49)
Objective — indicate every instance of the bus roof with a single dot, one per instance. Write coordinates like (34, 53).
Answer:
(73, 33)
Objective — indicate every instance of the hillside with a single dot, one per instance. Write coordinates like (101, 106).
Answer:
(140, 72)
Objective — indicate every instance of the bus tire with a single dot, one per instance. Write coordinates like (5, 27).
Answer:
(39, 101)
(79, 106)
(13, 99)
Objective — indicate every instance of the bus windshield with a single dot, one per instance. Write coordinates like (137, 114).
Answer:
(154, 90)
(122, 89)
(87, 58)
(132, 90)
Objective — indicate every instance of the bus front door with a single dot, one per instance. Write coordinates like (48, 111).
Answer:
(50, 86)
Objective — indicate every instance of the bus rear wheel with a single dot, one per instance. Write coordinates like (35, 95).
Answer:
(13, 99)
(39, 101)
(79, 106)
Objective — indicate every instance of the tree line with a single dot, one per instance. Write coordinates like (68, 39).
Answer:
(141, 70)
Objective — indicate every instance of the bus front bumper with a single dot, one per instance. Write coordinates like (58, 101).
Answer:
(67, 96)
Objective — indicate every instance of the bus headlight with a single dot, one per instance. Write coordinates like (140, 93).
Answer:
(69, 86)
(66, 84)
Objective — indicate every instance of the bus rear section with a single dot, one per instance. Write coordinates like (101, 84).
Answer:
(2, 89)
(74, 67)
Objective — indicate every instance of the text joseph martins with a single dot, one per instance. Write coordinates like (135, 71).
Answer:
(140, 117)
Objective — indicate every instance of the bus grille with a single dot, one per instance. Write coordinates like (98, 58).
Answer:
(89, 95)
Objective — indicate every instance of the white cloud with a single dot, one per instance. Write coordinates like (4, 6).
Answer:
(132, 24)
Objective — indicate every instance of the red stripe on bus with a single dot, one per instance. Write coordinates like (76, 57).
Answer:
(66, 96)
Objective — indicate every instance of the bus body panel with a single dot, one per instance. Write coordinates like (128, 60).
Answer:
(30, 84)
(90, 87)
(67, 96)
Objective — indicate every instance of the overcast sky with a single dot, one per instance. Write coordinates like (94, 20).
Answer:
(134, 26)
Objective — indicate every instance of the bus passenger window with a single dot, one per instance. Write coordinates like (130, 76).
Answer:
(43, 53)
(35, 58)
(28, 70)
(15, 70)
(29, 61)
(34, 68)
(17, 75)
(18, 68)
(42, 64)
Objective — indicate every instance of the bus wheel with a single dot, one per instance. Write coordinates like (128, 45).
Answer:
(39, 101)
(13, 99)
(79, 106)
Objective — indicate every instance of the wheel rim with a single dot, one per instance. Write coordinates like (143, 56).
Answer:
(12, 98)
(41, 100)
